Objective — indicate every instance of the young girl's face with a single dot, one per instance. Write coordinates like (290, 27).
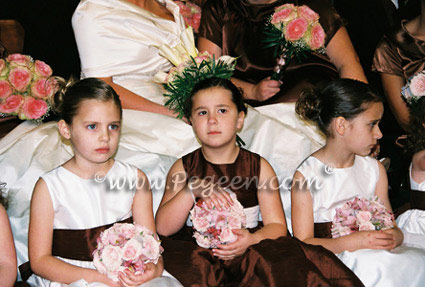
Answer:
(215, 118)
(363, 132)
(95, 131)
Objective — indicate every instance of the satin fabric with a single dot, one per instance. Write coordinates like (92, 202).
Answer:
(237, 27)
(281, 262)
(149, 141)
(402, 266)
(87, 203)
(412, 221)
(400, 54)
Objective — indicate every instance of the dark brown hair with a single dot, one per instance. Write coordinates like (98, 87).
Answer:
(339, 98)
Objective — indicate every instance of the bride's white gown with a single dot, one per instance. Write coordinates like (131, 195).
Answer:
(118, 39)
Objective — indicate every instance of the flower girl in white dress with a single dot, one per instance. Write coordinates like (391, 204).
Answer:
(348, 112)
(72, 203)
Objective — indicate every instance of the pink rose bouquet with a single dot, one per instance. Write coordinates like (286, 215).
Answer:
(361, 214)
(293, 31)
(126, 246)
(26, 87)
(414, 88)
(213, 227)
(191, 14)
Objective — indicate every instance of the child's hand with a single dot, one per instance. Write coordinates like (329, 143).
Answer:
(398, 235)
(129, 278)
(237, 248)
(374, 240)
(211, 193)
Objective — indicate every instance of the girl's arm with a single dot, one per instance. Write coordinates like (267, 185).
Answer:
(176, 202)
(179, 197)
(40, 244)
(142, 211)
(392, 85)
(342, 54)
(261, 91)
(382, 192)
(133, 101)
(303, 225)
(8, 265)
(271, 211)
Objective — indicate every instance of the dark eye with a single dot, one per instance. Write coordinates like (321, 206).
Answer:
(91, 127)
(202, 113)
(114, 127)
(222, 111)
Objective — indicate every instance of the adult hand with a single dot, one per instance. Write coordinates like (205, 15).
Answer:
(265, 89)
(237, 248)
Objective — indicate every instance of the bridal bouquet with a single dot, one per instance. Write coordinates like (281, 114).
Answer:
(191, 14)
(293, 31)
(361, 214)
(26, 87)
(125, 246)
(213, 226)
(414, 88)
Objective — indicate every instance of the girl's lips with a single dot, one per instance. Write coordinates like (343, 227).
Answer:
(213, 133)
(102, 150)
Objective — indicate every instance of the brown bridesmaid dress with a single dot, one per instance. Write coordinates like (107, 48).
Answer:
(237, 27)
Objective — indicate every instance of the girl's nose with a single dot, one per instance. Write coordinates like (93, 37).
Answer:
(212, 119)
(378, 133)
(104, 136)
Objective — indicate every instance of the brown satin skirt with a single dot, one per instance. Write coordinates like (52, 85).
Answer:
(285, 261)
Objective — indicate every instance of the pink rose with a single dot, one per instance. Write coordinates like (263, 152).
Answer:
(417, 85)
(234, 222)
(19, 60)
(200, 224)
(317, 37)
(11, 105)
(33, 109)
(42, 88)
(151, 248)
(42, 69)
(364, 216)
(202, 240)
(349, 221)
(131, 250)
(98, 263)
(366, 225)
(111, 257)
(3, 68)
(285, 14)
(127, 230)
(296, 29)
(5, 89)
(227, 236)
(307, 13)
(19, 78)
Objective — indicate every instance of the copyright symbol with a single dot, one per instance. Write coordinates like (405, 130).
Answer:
(99, 177)
(329, 168)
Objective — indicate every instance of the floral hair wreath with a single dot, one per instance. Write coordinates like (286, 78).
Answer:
(180, 81)
(414, 89)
